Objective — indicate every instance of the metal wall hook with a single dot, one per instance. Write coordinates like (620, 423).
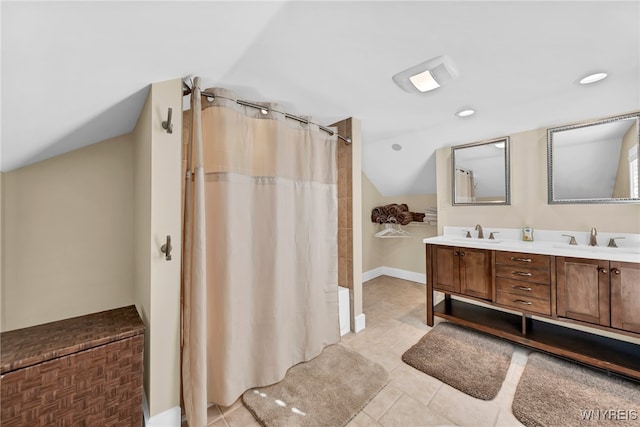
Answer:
(166, 249)
(167, 125)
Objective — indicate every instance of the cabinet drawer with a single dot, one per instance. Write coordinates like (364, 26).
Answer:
(528, 290)
(524, 273)
(523, 259)
(523, 303)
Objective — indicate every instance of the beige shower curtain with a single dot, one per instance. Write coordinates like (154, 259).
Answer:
(270, 203)
(465, 191)
(194, 273)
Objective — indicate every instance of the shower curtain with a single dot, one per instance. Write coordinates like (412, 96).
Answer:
(465, 191)
(270, 296)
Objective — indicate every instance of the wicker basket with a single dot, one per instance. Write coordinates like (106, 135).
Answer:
(84, 371)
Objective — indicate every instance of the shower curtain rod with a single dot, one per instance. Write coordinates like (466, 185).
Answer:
(265, 110)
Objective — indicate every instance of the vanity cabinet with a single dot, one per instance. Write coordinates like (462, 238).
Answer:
(625, 295)
(583, 290)
(523, 282)
(462, 271)
(606, 293)
(519, 290)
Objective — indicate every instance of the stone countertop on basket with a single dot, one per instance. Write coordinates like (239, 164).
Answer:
(36, 344)
(546, 242)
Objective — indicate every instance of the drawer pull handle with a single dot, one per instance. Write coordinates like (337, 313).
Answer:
(519, 301)
(513, 258)
(521, 273)
(522, 288)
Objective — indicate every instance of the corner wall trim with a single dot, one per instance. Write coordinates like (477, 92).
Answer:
(169, 418)
(394, 272)
(145, 407)
(359, 323)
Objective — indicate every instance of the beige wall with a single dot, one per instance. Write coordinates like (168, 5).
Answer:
(2, 311)
(621, 188)
(372, 256)
(529, 197)
(142, 227)
(68, 222)
(157, 210)
(403, 253)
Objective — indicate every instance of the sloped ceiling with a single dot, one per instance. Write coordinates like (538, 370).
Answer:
(75, 73)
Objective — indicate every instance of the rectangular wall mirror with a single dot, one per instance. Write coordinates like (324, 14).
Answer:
(594, 162)
(480, 173)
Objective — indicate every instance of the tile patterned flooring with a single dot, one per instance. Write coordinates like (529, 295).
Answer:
(394, 310)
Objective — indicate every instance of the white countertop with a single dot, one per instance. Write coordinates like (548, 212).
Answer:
(547, 242)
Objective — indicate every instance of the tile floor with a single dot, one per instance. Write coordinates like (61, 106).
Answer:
(394, 310)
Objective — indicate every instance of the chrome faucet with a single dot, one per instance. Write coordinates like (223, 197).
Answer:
(479, 230)
(592, 237)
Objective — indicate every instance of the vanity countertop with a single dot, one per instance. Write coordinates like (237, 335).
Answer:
(553, 244)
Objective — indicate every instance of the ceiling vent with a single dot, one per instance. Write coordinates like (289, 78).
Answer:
(427, 76)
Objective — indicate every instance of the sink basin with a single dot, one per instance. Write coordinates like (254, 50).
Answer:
(475, 240)
(584, 248)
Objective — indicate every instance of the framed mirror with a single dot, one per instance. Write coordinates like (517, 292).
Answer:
(594, 162)
(480, 173)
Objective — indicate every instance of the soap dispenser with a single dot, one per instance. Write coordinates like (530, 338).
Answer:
(527, 234)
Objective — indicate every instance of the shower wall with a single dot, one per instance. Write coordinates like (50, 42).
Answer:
(350, 217)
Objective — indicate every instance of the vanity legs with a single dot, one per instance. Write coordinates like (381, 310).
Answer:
(429, 320)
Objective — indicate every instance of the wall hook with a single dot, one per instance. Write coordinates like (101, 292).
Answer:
(168, 125)
(166, 249)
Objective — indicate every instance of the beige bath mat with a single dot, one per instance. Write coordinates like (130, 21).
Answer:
(474, 363)
(554, 392)
(326, 391)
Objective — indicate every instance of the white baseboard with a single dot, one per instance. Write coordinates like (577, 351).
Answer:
(359, 323)
(169, 418)
(372, 274)
(145, 407)
(395, 272)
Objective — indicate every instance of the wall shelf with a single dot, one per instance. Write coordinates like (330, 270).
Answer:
(420, 224)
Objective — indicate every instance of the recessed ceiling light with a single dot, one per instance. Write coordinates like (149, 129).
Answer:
(396, 147)
(428, 75)
(466, 112)
(592, 78)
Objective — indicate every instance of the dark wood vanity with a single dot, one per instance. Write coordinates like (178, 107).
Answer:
(512, 287)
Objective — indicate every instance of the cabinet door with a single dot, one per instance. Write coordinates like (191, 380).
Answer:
(475, 272)
(625, 296)
(583, 290)
(446, 268)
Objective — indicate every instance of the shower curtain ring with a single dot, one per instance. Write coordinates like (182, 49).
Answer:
(167, 124)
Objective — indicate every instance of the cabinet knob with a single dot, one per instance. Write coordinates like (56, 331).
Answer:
(602, 270)
(461, 253)
(615, 271)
